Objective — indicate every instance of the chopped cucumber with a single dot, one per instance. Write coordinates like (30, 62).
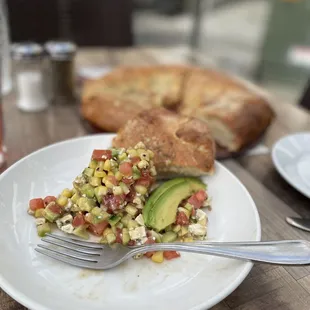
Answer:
(122, 157)
(114, 219)
(111, 238)
(131, 210)
(100, 166)
(88, 190)
(157, 236)
(107, 231)
(89, 172)
(126, 219)
(50, 215)
(81, 232)
(124, 188)
(141, 189)
(100, 191)
(93, 164)
(125, 236)
(119, 225)
(183, 231)
(107, 165)
(176, 228)
(132, 224)
(118, 176)
(136, 174)
(169, 236)
(75, 198)
(95, 181)
(189, 207)
(39, 213)
(43, 229)
(86, 204)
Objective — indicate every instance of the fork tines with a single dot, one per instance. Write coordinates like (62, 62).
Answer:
(71, 251)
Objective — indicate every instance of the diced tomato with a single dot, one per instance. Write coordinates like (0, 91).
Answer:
(135, 160)
(201, 195)
(113, 202)
(182, 219)
(55, 208)
(131, 243)
(78, 220)
(193, 214)
(125, 169)
(144, 181)
(112, 179)
(128, 181)
(171, 255)
(101, 155)
(49, 199)
(36, 203)
(131, 195)
(195, 202)
(119, 236)
(149, 240)
(97, 229)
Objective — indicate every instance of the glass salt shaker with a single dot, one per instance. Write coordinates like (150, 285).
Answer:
(61, 71)
(28, 61)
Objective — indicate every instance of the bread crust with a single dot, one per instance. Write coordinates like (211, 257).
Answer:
(181, 144)
(243, 115)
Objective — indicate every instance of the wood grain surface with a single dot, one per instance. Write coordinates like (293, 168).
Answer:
(267, 287)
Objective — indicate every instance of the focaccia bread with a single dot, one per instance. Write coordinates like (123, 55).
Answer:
(110, 101)
(235, 115)
(181, 144)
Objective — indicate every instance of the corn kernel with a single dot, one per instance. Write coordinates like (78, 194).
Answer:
(107, 165)
(100, 174)
(158, 257)
(141, 189)
(62, 200)
(108, 184)
(67, 193)
(110, 173)
(188, 239)
(144, 155)
(118, 176)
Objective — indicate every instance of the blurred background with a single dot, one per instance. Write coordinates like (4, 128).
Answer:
(264, 41)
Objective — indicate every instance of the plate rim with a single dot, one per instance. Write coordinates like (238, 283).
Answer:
(278, 166)
(28, 302)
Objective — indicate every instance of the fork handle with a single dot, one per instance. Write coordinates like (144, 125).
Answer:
(287, 252)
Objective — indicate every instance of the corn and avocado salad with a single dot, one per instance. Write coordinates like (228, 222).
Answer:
(110, 199)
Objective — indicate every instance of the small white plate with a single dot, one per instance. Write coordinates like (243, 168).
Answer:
(192, 282)
(291, 157)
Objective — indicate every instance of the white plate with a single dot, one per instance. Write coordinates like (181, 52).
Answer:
(291, 157)
(192, 282)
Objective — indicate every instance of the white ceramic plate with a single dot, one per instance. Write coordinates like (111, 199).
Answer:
(192, 282)
(291, 157)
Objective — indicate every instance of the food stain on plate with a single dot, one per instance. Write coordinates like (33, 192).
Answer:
(86, 273)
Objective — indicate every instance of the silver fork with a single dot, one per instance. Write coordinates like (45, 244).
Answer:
(98, 256)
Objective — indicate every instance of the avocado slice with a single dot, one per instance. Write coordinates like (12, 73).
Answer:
(156, 194)
(163, 212)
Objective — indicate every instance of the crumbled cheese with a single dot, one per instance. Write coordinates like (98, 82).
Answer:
(137, 233)
(67, 219)
(139, 219)
(207, 203)
(68, 205)
(142, 164)
(30, 212)
(197, 229)
(40, 221)
(200, 215)
(137, 201)
(58, 223)
(67, 228)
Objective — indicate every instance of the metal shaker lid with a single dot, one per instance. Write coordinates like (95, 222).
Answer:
(60, 50)
(26, 50)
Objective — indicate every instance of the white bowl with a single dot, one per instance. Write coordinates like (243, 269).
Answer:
(192, 282)
(291, 157)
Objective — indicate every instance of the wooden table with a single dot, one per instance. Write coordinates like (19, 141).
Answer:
(266, 287)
